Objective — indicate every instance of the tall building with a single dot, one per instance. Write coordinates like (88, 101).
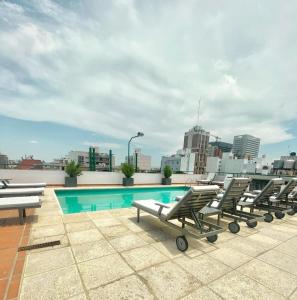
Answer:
(140, 160)
(246, 146)
(217, 148)
(3, 161)
(196, 140)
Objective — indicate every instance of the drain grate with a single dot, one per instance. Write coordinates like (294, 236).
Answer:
(37, 246)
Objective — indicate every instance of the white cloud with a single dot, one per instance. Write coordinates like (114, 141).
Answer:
(118, 67)
(33, 142)
(103, 145)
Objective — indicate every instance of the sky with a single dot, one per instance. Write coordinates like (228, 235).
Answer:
(80, 73)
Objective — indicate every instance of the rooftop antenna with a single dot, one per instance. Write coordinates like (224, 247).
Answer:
(198, 113)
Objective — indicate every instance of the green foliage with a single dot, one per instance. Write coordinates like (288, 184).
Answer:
(73, 169)
(128, 170)
(167, 172)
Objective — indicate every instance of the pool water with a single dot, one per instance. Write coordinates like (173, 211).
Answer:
(76, 200)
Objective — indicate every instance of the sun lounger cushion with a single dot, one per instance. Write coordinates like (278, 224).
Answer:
(21, 192)
(151, 207)
(19, 202)
(25, 185)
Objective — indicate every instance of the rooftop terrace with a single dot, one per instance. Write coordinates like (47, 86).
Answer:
(108, 255)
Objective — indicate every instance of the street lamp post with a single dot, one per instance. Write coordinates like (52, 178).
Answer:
(139, 134)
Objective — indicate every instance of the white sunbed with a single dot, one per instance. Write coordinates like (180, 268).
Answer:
(23, 185)
(21, 192)
(190, 211)
(20, 203)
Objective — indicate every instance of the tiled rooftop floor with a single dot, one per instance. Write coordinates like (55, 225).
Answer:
(108, 255)
(12, 235)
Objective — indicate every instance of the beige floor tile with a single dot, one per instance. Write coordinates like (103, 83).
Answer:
(44, 231)
(78, 297)
(48, 220)
(230, 257)
(106, 222)
(272, 277)
(293, 296)
(130, 288)
(79, 226)
(203, 267)
(57, 284)
(92, 250)
(234, 286)
(73, 218)
(62, 238)
(127, 242)
(48, 260)
(143, 257)
(203, 293)
(169, 281)
(112, 232)
(280, 260)
(84, 236)
(153, 236)
(97, 272)
(277, 233)
(289, 247)
(102, 214)
(263, 240)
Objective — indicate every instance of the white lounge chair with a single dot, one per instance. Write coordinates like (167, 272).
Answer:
(208, 180)
(193, 206)
(21, 192)
(20, 203)
(7, 184)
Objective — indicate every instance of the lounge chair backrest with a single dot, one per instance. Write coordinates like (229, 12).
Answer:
(234, 192)
(195, 199)
(289, 187)
(271, 188)
(210, 176)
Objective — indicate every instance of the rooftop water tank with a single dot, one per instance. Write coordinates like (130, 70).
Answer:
(278, 164)
(289, 164)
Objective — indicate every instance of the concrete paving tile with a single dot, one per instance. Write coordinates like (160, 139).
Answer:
(203, 267)
(134, 226)
(62, 238)
(272, 277)
(293, 296)
(243, 245)
(203, 293)
(280, 260)
(57, 284)
(130, 288)
(236, 286)
(153, 236)
(79, 226)
(48, 260)
(91, 250)
(277, 233)
(169, 281)
(106, 222)
(143, 257)
(127, 242)
(102, 214)
(289, 247)
(78, 297)
(122, 212)
(263, 240)
(84, 236)
(48, 220)
(97, 272)
(230, 257)
(73, 218)
(112, 232)
(44, 231)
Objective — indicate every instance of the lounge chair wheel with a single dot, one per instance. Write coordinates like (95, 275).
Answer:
(291, 212)
(295, 209)
(268, 217)
(251, 223)
(234, 227)
(279, 214)
(212, 238)
(181, 243)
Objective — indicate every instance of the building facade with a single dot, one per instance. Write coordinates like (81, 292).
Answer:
(217, 148)
(246, 146)
(140, 161)
(183, 161)
(3, 161)
(196, 141)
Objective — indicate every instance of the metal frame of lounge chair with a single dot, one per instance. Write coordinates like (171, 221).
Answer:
(21, 192)
(192, 206)
(228, 201)
(22, 185)
(21, 204)
(262, 200)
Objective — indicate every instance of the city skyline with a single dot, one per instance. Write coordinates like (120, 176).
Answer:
(127, 68)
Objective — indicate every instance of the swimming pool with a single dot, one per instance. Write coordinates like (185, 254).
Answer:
(80, 200)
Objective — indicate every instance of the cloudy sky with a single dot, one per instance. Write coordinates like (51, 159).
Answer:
(74, 73)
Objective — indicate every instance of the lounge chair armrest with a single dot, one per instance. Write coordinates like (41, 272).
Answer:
(249, 195)
(162, 205)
